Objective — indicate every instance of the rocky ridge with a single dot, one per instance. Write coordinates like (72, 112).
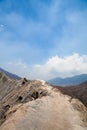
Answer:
(36, 105)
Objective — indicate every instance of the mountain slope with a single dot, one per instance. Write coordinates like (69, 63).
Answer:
(75, 80)
(76, 91)
(13, 76)
(36, 105)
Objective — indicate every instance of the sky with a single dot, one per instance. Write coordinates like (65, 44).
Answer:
(43, 39)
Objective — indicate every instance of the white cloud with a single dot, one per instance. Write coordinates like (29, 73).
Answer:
(54, 67)
(18, 67)
(62, 67)
(18, 64)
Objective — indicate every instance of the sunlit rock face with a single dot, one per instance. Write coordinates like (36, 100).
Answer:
(36, 105)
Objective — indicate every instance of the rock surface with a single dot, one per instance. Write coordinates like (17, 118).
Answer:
(36, 105)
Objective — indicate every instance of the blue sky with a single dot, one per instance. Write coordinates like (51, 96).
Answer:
(33, 32)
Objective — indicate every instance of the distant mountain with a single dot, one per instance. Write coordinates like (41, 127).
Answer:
(11, 75)
(75, 80)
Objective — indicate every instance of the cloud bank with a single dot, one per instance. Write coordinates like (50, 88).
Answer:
(54, 67)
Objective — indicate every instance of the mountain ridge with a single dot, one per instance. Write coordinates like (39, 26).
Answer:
(11, 75)
(74, 80)
(33, 104)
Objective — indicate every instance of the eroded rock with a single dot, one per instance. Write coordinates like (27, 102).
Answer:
(36, 105)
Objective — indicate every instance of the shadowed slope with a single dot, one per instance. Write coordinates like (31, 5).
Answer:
(79, 92)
